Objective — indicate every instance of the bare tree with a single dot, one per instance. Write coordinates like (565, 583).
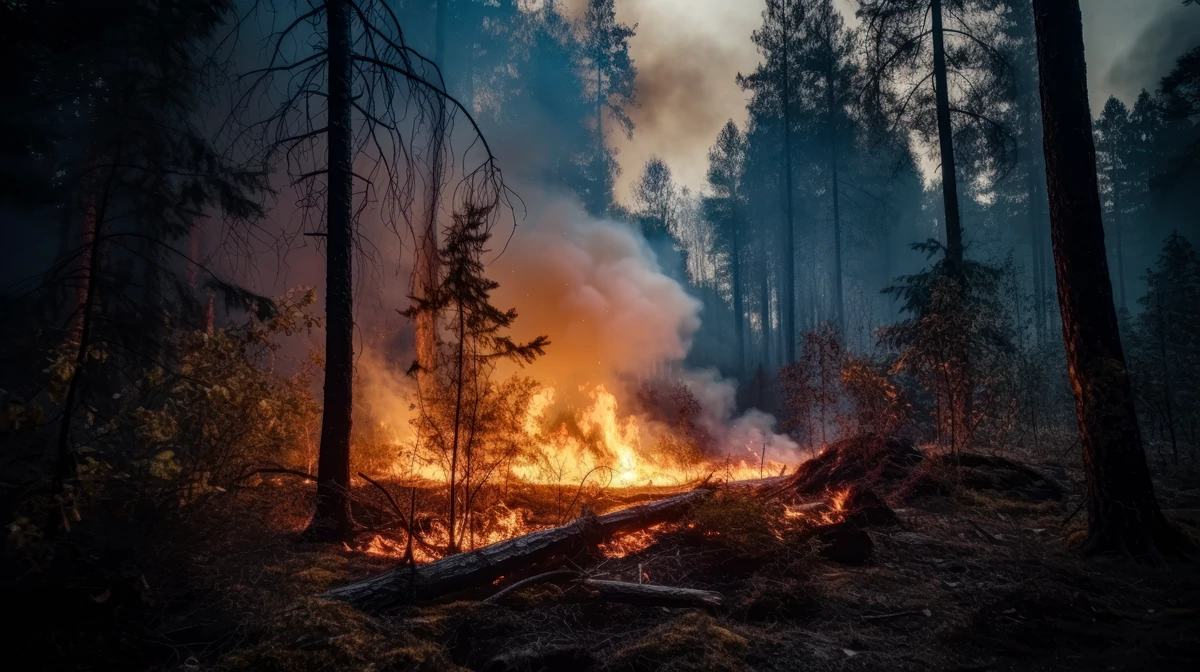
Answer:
(354, 91)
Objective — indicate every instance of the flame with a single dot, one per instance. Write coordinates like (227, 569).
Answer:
(619, 446)
(634, 542)
(830, 510)
(593, 445)
(838, 501)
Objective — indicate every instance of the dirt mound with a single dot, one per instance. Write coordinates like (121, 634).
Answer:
(865, 462)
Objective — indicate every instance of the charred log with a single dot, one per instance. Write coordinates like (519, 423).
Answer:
(463, 571)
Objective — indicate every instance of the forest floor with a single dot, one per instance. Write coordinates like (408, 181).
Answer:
(982, 577)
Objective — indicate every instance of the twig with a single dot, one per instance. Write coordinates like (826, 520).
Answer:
(990, 537)
(652, 595)
(1077, 510)
(409, 526)
(278, 470)
(395, 507)
(535, 579)
(884, 617)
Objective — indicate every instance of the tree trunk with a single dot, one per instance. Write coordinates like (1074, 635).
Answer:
(838, 307)
(1033, 213)
(426, 262)
(1116, 187)
(458, 385)
(764, 301)
(787, 298)
(1166, 373)
(81, 328)
(954, 248)
(739, 317)
(332, 520)
(1123, 514)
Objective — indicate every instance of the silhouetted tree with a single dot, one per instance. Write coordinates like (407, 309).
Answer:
(826, 82)
(612, 74)
(971, 82)
(1113, 137)
(362, 92)
(725, 208)
(654, 196)
(773, 85)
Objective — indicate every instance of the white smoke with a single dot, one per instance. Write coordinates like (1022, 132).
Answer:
(595, 288)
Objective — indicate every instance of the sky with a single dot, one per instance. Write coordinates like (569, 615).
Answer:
(689, 52)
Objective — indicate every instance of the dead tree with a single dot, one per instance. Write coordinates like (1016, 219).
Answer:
(356, 100)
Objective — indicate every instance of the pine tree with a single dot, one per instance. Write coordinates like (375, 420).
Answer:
(451, 414)
(1113, 139)
(612, 76)
(827, 83)
(725, 208)
(116, 88)
(1169, 330)
(775, 99)
(655, 196)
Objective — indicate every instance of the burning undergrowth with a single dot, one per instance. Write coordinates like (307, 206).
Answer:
(586, 392)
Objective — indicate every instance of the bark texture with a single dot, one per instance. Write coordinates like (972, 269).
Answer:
(954, 247)
(332, 520)
(1123, 514)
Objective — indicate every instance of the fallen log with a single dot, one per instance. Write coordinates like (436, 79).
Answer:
(454, 573)
(650, 595)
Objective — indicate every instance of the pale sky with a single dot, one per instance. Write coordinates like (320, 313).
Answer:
(688, 53)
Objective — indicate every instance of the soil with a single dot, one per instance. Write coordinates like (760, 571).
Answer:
(970, 568)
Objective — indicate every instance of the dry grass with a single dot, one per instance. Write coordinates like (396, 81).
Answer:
(315, 634)
(693, 641)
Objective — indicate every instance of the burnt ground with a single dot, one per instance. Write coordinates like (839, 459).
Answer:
(976, 572)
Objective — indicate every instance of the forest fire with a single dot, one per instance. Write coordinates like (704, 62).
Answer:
(621, 446)
(569, 457)
(601, 334)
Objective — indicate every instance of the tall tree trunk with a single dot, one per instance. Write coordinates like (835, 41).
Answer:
(764, 301)
(1168, 407)
(787, 298)
(599, 108)
(81, 328)
(739, 311)
(332, 520)
(1123, 514)
(1116, 186)
(458, 391)
(1033, 213)
(831, 129)
(954, 248)
(426, 263)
